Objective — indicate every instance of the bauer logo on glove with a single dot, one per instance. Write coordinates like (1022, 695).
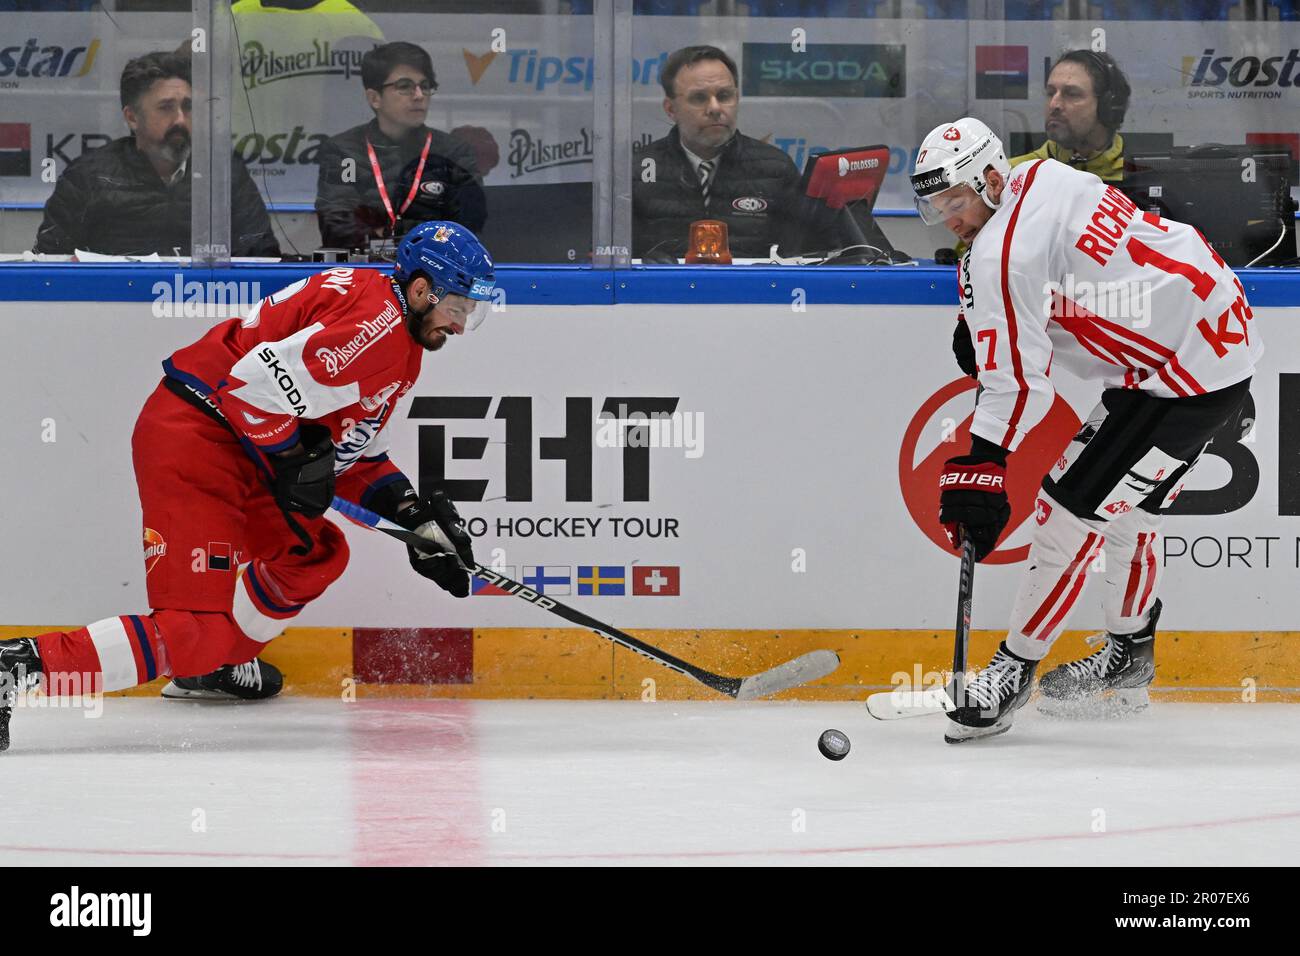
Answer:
(973, 502)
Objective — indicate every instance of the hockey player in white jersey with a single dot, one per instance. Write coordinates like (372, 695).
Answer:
(1065, 271)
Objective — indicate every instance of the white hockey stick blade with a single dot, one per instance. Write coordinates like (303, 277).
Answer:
(898, 704)
(807, 667)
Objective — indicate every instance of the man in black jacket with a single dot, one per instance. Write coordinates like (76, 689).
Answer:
(132, 197)
(381, 179)
(705, 169)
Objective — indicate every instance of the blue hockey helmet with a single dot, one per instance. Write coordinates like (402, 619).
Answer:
(452, 258)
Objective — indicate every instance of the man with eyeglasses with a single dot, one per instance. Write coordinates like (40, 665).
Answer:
(707, 169)
(379, 180)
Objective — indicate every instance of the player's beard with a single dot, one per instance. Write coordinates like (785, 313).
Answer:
(415, 326)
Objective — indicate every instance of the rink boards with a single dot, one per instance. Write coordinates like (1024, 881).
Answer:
(739, 483)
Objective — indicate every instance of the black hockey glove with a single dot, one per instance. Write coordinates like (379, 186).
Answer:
(304, 481)
(964, 350)
(973, 501)
(436, 518)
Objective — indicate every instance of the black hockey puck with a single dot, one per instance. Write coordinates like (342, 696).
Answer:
(834, 744)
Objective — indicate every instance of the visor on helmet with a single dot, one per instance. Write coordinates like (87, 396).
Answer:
(927, 187)
(467, 313)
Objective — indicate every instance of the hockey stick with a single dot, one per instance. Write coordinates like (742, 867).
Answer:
(899, 703)
(800, 670)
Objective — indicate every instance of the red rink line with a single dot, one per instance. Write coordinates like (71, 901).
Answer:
(207, 854)
(886, 848)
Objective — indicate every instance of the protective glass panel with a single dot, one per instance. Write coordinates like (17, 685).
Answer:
(95, 129)
(359, 119)
(1147, 80)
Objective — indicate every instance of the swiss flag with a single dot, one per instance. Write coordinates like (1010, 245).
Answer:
(657, 580)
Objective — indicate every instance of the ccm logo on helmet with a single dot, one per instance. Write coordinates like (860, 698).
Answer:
(971, 481)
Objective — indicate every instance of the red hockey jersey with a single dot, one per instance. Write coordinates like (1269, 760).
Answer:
(331, 349)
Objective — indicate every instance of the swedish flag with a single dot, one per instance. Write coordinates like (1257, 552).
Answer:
(601, 580)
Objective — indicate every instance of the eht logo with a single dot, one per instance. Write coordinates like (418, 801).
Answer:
(575, 447)
(1026, 466)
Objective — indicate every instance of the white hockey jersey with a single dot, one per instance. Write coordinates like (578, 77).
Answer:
(1069, 271)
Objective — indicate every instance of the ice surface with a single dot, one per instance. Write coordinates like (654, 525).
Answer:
(546, 782)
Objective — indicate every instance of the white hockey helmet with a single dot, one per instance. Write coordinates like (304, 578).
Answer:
(953, 154)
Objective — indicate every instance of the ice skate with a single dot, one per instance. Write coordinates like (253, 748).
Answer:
(1112, 681)
(256, 680)
(20, 665)
(992, 698)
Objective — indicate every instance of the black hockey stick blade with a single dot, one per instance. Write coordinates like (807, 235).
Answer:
(807, 667)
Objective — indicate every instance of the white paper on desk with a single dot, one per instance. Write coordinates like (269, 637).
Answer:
(84, 255)
(29, 256)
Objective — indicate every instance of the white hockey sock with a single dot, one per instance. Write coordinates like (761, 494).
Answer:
(1060, 558)
(1133, 568)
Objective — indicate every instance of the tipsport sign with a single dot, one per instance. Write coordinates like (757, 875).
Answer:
(536, 69)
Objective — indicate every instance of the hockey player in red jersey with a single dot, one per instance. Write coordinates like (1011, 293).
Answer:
(1065, 271)
(239, 452)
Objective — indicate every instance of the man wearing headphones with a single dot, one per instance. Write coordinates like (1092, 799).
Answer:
(1087, 96)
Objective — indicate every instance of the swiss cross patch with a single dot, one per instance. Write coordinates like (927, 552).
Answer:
(952, 134)
(1119, 507)
(656, 581)
(1042, 511)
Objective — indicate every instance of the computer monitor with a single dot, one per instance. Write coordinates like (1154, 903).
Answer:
(1239, 197)
(840, 187)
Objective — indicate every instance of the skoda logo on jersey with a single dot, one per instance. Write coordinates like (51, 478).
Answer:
(751, 204)
(433, 188)
(927, 444)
